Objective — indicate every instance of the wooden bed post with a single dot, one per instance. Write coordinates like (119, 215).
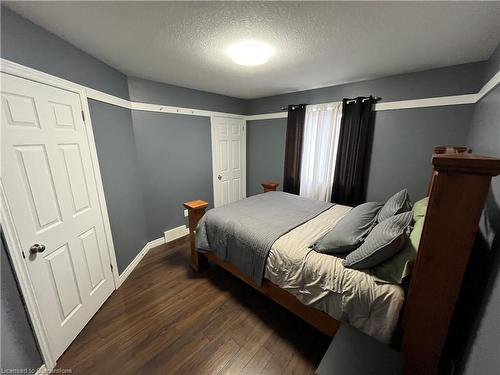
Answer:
(440, 150)
(459, 187)
(196, 209)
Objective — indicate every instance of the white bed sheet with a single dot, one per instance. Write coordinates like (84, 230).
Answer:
(322, 281)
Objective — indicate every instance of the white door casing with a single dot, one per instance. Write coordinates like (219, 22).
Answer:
(53, 198)
(228, 159)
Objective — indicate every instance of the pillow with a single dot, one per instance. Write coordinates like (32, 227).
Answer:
(394, 270)
(398, 203)
(350, 231)
(420, 208)
(383, 242)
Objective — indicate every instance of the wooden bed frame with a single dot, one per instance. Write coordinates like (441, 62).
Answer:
(457, 192)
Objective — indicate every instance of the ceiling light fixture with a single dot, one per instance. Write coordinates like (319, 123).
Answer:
(250, 53)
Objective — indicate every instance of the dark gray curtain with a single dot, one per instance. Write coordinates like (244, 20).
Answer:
(293, 148)
(350, 168)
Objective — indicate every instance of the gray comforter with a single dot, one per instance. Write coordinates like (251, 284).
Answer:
(243, 232)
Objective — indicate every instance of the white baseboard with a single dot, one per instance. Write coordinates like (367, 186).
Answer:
(154, 243)
(126, 273)
(42, 370)
(170, 235)
(176, 233)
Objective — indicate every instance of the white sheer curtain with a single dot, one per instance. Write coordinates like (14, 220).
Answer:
(319, 150)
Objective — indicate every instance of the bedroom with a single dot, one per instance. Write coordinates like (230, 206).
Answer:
(140, 98)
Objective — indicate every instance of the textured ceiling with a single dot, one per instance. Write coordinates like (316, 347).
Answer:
(316, 43)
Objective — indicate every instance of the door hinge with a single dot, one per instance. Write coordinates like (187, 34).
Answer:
(111, 266)
(83, 116)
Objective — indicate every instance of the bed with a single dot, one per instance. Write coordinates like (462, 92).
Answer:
(287, 225)
(317, 287)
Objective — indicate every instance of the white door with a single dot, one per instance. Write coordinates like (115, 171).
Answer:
(228, 159)
(47, 174)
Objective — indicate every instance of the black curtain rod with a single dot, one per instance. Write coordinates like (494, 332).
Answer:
(376, 98)
(293, 106)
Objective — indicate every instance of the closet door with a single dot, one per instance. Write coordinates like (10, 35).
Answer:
(48, 178)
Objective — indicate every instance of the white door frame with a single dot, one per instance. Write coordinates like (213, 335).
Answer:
(244, 156)
(13, 243)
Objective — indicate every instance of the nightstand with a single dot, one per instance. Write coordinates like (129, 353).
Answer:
(270, 186)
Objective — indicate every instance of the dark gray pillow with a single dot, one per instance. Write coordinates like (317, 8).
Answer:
(398, 203)
(350, 231)
(383, 242)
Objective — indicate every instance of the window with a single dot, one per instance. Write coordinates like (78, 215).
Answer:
(319, 150)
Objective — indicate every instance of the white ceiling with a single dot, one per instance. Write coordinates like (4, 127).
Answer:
(316, 44)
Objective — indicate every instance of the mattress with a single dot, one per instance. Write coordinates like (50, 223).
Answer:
(321, 281)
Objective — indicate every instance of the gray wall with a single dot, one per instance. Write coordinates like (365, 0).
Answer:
(492, 66)
(142, 90)
(117, 155)
(265, 153)
(483, 306)
(19, 349)
(403, 141)
(175, 165)
(25, 43)
(453, 80)
(174, 150)
(400, 154)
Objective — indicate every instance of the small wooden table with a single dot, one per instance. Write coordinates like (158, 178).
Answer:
(270, 186)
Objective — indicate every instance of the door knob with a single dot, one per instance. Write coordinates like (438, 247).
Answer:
(37, 248)
(219, 177)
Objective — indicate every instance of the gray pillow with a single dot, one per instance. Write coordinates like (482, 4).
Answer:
(383, 242)
(398, 203)
(350, 231)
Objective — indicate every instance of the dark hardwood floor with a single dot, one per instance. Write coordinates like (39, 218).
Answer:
(166, 319)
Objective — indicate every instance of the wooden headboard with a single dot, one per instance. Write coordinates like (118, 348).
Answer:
(459, 184)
